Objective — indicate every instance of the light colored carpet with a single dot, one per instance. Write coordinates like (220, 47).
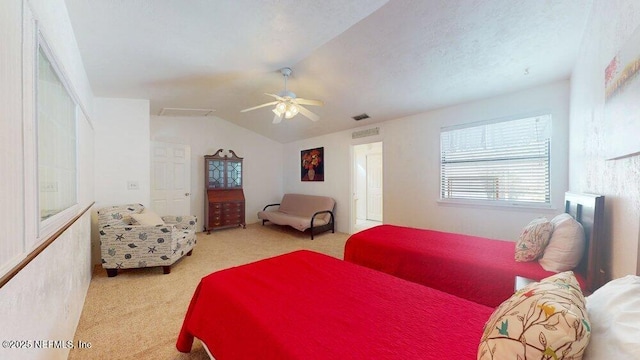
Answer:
(138, 314)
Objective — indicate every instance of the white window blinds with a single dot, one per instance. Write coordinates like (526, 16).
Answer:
(506, 161)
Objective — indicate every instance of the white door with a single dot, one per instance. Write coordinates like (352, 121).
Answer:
(170, 179)
(374, 187)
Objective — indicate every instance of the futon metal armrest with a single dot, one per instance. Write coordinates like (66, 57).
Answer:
(265, 208)
(329, 226)
(322, 212)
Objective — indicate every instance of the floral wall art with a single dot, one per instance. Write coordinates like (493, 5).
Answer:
(312, 164)
(622, 108)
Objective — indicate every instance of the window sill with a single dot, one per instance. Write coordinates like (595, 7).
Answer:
(52, 224)
(496, 205)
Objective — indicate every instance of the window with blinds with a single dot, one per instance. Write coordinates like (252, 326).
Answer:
(500, 161)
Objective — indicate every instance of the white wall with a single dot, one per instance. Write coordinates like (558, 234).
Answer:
(608, 30)
(262, 158)
(411, 148)
(122, 154)
(45, 299)
(123, 151)
(337, 172)
(11, 127)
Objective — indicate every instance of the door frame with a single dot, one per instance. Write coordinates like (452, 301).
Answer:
(368, 187)
(353, 187)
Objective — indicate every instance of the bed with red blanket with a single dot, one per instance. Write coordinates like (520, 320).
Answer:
(306, 305)
(474, 268)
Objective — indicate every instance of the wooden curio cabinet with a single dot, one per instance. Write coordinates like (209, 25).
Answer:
(224, 203)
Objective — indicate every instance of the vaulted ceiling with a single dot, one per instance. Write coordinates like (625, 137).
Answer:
(388, 59)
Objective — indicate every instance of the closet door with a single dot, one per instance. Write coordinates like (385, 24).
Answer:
(170, 179)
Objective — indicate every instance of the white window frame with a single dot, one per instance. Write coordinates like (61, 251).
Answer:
(47, 227)
(27, 240)
(470, 165)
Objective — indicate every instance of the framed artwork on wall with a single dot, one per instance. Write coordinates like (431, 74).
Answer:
(621, 106)
(312, 164)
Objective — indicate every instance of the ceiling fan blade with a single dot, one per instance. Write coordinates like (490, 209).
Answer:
(278, 97)
(277, 118)
(259, 106)
(309, 102)
(308, 113)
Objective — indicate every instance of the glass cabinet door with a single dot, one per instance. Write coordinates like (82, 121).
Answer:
(234, 174)
(215, 174)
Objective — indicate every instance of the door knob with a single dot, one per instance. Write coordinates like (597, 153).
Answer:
(187, 194)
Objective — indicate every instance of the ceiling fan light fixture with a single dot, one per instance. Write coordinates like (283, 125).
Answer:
(281, 107)
(293, 110)
(287, 105)
(288, 109)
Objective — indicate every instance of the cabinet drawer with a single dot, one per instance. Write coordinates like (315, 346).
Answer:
(215, 206)
(232, 210)
(231, 205)
(234, 217)
(222, 213)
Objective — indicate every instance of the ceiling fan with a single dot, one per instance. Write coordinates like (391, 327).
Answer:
(287, 104)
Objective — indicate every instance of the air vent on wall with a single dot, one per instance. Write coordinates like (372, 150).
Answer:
(360, 117)
(365, 133)
(185, 112)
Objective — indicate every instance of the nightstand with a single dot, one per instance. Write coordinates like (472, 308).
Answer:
(522, 281)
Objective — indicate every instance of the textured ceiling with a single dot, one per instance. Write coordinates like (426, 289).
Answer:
(387, 58)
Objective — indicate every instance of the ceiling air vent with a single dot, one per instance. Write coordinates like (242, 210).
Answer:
(185, 112)
(360, 117)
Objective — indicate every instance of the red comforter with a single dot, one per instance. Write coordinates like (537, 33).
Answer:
(306, 305)
(474, 268)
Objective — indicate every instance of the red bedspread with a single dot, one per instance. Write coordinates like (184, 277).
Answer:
(474, 268)
(306, 305)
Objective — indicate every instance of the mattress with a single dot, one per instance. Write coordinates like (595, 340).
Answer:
(474, 268)
(306, 305)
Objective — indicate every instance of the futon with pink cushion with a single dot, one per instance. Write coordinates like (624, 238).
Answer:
(302, 212)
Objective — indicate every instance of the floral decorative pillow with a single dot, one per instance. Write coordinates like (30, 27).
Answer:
(533, 239)
(544, 320)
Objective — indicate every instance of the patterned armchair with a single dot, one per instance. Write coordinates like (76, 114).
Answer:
(124, 244)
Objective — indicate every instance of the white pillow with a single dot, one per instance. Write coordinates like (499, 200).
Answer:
(614, 311)
(566, 245)
(148, 218)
